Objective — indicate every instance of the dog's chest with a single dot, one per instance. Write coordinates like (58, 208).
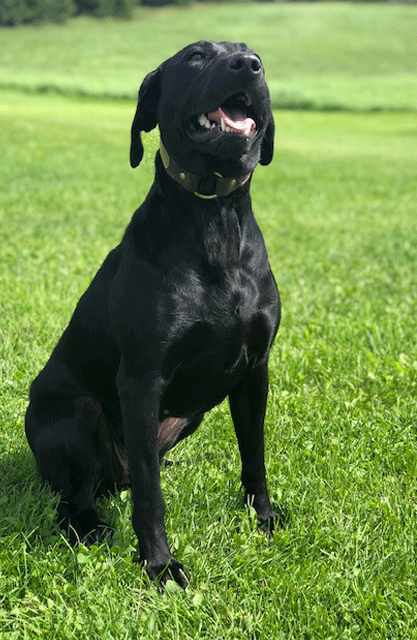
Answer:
(216, 331)
(227, 308)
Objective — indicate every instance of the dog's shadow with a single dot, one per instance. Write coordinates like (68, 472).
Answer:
(27, 505)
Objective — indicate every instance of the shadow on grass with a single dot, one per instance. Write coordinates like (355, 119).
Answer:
(27, 505)
(279, 101)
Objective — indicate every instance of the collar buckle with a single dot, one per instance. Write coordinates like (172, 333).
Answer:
(190, 181)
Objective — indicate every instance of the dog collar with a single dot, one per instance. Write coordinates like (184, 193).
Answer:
(190, 181)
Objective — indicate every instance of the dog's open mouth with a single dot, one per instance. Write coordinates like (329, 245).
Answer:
(235, 116)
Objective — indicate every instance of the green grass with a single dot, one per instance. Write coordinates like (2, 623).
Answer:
(322, 55)
(338, 210)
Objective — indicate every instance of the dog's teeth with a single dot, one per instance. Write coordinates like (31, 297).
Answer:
(204, 121)
(223, 124)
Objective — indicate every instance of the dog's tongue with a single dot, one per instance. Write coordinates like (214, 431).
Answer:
(236, 121)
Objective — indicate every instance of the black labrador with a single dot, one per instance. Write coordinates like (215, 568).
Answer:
(181, 314)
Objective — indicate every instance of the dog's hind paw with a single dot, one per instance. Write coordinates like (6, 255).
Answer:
(98, 535)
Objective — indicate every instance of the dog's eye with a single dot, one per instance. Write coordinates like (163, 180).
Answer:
(195, 56)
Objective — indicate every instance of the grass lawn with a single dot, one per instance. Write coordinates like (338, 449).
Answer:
(338, 210)
(353, 55)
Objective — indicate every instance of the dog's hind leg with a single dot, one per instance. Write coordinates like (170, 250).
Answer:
(64, 438)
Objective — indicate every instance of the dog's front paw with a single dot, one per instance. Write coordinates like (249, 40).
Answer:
(160, 573)
(268, 519)
(269, 522)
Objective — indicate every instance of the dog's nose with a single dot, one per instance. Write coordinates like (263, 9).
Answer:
(245, 61)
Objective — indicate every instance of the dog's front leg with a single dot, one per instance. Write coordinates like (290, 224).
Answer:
(248, 404)
(139, 399)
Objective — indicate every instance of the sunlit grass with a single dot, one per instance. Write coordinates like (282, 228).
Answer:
(337, 208)
(317, 54)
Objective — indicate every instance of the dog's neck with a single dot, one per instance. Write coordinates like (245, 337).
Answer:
(191, 182)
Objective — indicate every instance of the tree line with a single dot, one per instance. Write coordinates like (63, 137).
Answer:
(16, 12)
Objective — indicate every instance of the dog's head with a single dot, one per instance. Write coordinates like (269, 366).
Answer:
(212, 105)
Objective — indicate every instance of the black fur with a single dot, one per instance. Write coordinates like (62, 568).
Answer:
(181, 314)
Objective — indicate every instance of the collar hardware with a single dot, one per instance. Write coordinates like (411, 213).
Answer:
(190, 181)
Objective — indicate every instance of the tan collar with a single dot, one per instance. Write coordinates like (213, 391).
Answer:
(190, 181)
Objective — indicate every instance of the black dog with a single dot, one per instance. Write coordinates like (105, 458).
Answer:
(181, 314)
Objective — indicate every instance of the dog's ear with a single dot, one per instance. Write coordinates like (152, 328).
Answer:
(267, 148)
(146, 114)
